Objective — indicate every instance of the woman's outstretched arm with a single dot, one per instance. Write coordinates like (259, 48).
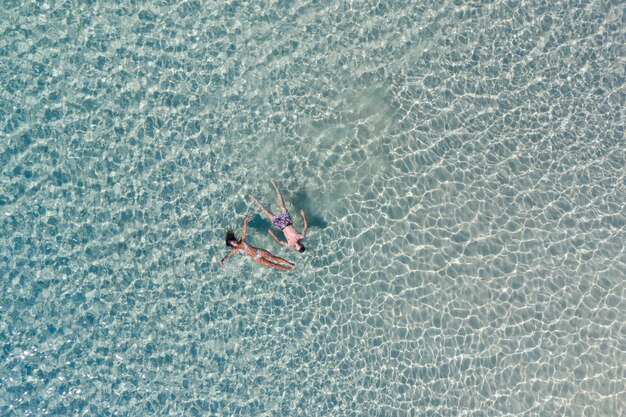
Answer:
(245, 228)
(231, 253)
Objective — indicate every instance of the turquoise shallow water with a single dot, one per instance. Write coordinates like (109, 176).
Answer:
(461, 164)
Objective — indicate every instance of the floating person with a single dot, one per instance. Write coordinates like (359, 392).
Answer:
(259, 255)
(284, 223)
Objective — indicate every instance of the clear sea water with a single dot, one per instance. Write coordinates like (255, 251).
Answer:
(462, 165)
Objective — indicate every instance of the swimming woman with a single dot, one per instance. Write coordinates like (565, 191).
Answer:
(259, 255)
(284, 223)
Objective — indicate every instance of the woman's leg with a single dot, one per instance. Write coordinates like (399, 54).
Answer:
(280, 198)
(271, 264)
(263, 208)
(275, 258)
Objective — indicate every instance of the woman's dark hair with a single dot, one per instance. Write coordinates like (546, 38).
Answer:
(301, 247)
(230, 235)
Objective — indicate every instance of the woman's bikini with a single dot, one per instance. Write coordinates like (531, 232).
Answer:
(243, 251)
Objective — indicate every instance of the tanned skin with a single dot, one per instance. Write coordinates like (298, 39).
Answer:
(257, 254)
(293, 238)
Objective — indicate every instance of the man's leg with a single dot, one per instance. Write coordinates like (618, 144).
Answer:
(263, 208)
(280, 198)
